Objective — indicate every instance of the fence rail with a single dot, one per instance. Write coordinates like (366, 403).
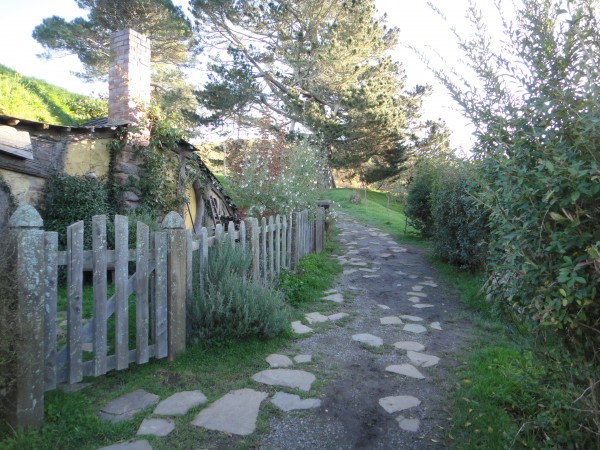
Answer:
(154, 278)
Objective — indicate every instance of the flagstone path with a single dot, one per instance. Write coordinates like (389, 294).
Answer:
(383, 370)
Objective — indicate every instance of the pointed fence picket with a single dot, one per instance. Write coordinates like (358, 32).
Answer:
(154, 278)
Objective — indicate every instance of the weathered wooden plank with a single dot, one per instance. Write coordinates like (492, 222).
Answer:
(243, 236)
(121, 297)
(176, 281)
(254, 247)
(88, 259)
(100, 291)
(51, 271)
(189, 269)
(219, 231)
(26, 408)
(295, 228)
(271, 255)
(111, 362)
(160, 302)
(142, 316)
(231, 232)
(277, 244)
(203, 257)
(284, 260)
(15, 142)
(263, 249)
(74, 300)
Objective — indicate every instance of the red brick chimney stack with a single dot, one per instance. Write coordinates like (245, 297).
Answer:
(129, 76)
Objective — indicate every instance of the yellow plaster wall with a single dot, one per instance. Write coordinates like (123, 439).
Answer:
(83, 157)
(190, 219)
(27, 189)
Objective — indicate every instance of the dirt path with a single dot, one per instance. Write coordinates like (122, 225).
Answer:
(378, 274)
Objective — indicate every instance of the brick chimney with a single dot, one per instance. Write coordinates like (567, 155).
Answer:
(129, 76)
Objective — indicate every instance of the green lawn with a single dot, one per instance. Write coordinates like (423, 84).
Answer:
(374, 211)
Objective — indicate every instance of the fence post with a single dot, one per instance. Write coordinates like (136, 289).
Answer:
(263, 248)
(254, 247)
(295, 232)
(28, 410)
(177, 248)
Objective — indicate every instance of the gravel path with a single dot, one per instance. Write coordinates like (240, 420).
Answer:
(382, 279)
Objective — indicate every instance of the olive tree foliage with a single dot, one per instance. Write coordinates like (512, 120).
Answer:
(323, 66)
(536, 110)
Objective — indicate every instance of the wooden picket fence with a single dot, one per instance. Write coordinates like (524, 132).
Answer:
(161, 283)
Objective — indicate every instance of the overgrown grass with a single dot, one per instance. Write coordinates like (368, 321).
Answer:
(33, 99)
(373, 211)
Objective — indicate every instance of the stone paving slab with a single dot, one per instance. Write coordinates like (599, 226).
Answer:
(275, 360)
(399, 403)
(299, 379)
(422, 359)
(142, 444)
(407, 370)
(416, 294)
(299, 328)
(368, 339)
(411, 318)
(384, 307)
(409, 345)
(127, 406)
(337, 298)
(291, 402)
(390, 320)
(180, 403)
(346, 272)
(436, 326)
(234, 413)
(301, 359)
(414, 299)
(156, 427)
(417, 288)
(338, 316)
(371, 276)
(315, 317)
(414, 328)
(407, 424)
(422, 305)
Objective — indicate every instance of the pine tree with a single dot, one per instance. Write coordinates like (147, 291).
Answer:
(323, 64)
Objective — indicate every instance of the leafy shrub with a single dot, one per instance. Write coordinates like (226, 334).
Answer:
(69, 199)
(8, 295)
(460, 223)
(275, 176)
(418, 200)
(231, 305)
(537, 140)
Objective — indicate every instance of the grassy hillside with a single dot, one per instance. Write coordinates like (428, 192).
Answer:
(33, 99)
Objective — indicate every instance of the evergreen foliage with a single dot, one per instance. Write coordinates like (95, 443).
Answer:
(321, 64)
(170, 31)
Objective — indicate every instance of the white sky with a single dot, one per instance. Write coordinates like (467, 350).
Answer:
(418, 25)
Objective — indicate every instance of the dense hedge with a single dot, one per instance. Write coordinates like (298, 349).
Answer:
(441, 204)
